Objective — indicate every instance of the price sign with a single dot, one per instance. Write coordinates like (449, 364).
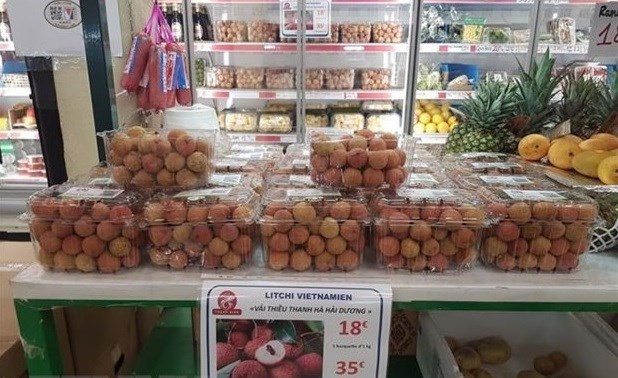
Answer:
(604, 30)
(317, 18)
(318, 330)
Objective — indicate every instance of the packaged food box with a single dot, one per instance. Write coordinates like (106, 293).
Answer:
(497, 35)
(563, 30)
(387, 32)
(339, 78)
(220, 77)
(314, 79)
(359, 161)
(316, 118)
(383, 122)
(240, 119)
(281, 106)
(254, 161)
(86, 228)
(261, 31)
(375, 79)
(431, 230)
(349, 120)
(355, 33)
(208, 228)
(280, 78)
(275, 122)
(249, 78)
(473, 29)
(380, 106)
(169, 158)
(313, 229)
(231, 31)
(252, 180)
(282, 180)
(537, 230)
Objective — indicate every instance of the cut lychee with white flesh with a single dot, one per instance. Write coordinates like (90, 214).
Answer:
(271, 353)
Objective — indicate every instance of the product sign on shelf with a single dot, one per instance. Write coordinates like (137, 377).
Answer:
(292, 329)
(604, 30)
(317, 18)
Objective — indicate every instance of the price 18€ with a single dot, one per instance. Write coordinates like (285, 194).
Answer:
(353, 328)
(608, 35)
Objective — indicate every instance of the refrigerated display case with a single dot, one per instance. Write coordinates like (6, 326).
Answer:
(463, 42)
(258, 79)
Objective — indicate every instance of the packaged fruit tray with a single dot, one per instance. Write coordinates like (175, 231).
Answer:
(506, 344)
(207, 228)
(87, 229)
(537, 230)
(428, 180)
(319, 229)
(526, 182)
(427, 229)
(146, 159)
(363, 160)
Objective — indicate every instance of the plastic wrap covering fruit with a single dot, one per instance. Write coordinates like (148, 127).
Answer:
(359, 161)
(387, 32)
(355, 33)
(220, 77)
(280, 78)
(250, 78)
(260, 31)
(207, 228)
(432, 230)
(374, 79)
(433, 179)
(281, 180)
(240, 119)
(275, 122)
(316, 118)
(145, 159)
(252, 180)
(86, 228)
(231, 31)
(538, 230)
(313, 229)
(339, 78)
(314, 79)
(231, 163)
(383, 122)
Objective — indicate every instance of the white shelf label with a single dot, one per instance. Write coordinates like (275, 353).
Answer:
(91, 193)
(230, 163)
(506, 180)
(416, 178)
(498, 165)
(311, 193)
(417, 194)
(300, 162)
(204, 193)
(223, 179)
(343, 329)
(534, 195)
(301, 179)
(250, 156)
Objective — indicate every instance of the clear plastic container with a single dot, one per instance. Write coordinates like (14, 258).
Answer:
(208, 228)
(241, 120)
(348, 120)
(231, 31)
(384, 122)
(428, 181)
(377, 106)
(387, 32)
(505, 181)
(313, 229)
(339, 78)
(316, 119)
(359, 161)
(219, 77)
(433, 230)
(333, 38)
(375, 79)
(314, 79)
(538, 230)
(252, 180)
(292, 164)
(171, 158)
(250, 78)
(497, 35)
(86, 228)
(261, 31)
(281, 106)
(275, 122)
(281, 180)
(355, 33)
(280, 78)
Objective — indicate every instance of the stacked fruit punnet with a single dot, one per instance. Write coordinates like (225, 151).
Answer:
(145, 159)
(359, 161)
(538, 230)
(596, 157)
(433, 117)
(209, 228)
(427, 229)
(315, 229)
(74, 230)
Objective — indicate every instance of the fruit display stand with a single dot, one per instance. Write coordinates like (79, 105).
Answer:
(36, 291)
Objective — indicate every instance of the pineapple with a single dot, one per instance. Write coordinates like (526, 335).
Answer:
(605, 109)
(485, 119)
(579, 96)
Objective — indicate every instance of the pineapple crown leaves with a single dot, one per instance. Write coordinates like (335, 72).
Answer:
(578, 96)
(493, 105)
(534, 91)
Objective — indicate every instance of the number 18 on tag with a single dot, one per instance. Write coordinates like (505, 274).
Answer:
(604, 30)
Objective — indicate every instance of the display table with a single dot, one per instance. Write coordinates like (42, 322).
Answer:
(36, 291)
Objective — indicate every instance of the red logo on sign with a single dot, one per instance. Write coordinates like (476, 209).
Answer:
(227, 302)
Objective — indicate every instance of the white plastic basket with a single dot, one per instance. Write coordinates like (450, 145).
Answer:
(604, 238)
(529, 333)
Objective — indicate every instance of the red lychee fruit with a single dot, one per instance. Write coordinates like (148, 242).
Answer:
(300, 260)
(93, 246)
(518, 247)
(497, 209)
(72, 245)
(120, 214)
(85, 226)
(567, 262)
(315, 245)
(507, 231)
(287, 369)
(71, 210)
(226, 354)
(108, 263)
(554, 229)
(373, 178)
(544, 210)
(438, 263)
(568, 213)
(547, 262)
(388, 246)
(519, 212)
(338, 158)
(160, 235)
(420, 231)
(278, 260)
(352, 178)
(249, 369)
(310, 364)
(61, 229)
(357, 158)
(395, 177)
(587, 212)
(506, 262)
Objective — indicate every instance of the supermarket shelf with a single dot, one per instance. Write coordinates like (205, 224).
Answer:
(15, 92)
(18, 179)
(592, 288)
(31, 134)
(444, 95)
(289, 94)
(466, 48)
(343, 2)
(511, 2)
(261, 137)
(554, 48)
(310, 47)
(7, 46)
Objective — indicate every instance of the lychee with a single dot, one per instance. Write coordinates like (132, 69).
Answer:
(507, 231)
(438, 263)
(448, 247)
(229, 232)
(440, 233)
(544, 211)
(132, 161)
(298, 235)
(579, 247)
(278, 260)
(242, 245)
(393, 159)
(279, 242)
(300, 260)
(324, 262)
(178, 260)
(568, 213)
(174, 162)
(329, 228)
(93, 246)
(175, 212)
(64, 261)
(373, 178)
(464, 237)
(49, 242)
(338, 158)
(249, 369)
(350, 230)
(418, 263)
(506, 262)
(286, 369)
(159, 235)
(352, 178)
(61, 228)
(388, 246)
(143, 179)
(132, 259)
(431, 212)
(186, 178)
(315, 245)
(519, 212)
(547, 262)
(497, 209)
(310, 364)
(527, 261)
(420, 231)
(108, 263)
(226, 354)
(283, 220)
(120, 214)
(106, 230)
(341, 210)
(231, 260)
(494, 247)
(531, 230)
(197, 162)
(577, 231)
(165, 178)
(71, 210)
(587, 212)
(336, 245)
(539, 246)
(559, 246)
(202, 234)
(333, 177)
(122, 175)
(159, 256)
(430, 247)
(394, 177)
(85, 263)
(197, 214)
(72, 245)
(357, 141)
(45, 208)
(319, 163)
(518, 247)
(554, 229)
(85, 226)
(120, 246)
(151, 163)
(302, 212)
(218, 247)
(219, 212)
(210, 261)
(357, 158)
(39, 226)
